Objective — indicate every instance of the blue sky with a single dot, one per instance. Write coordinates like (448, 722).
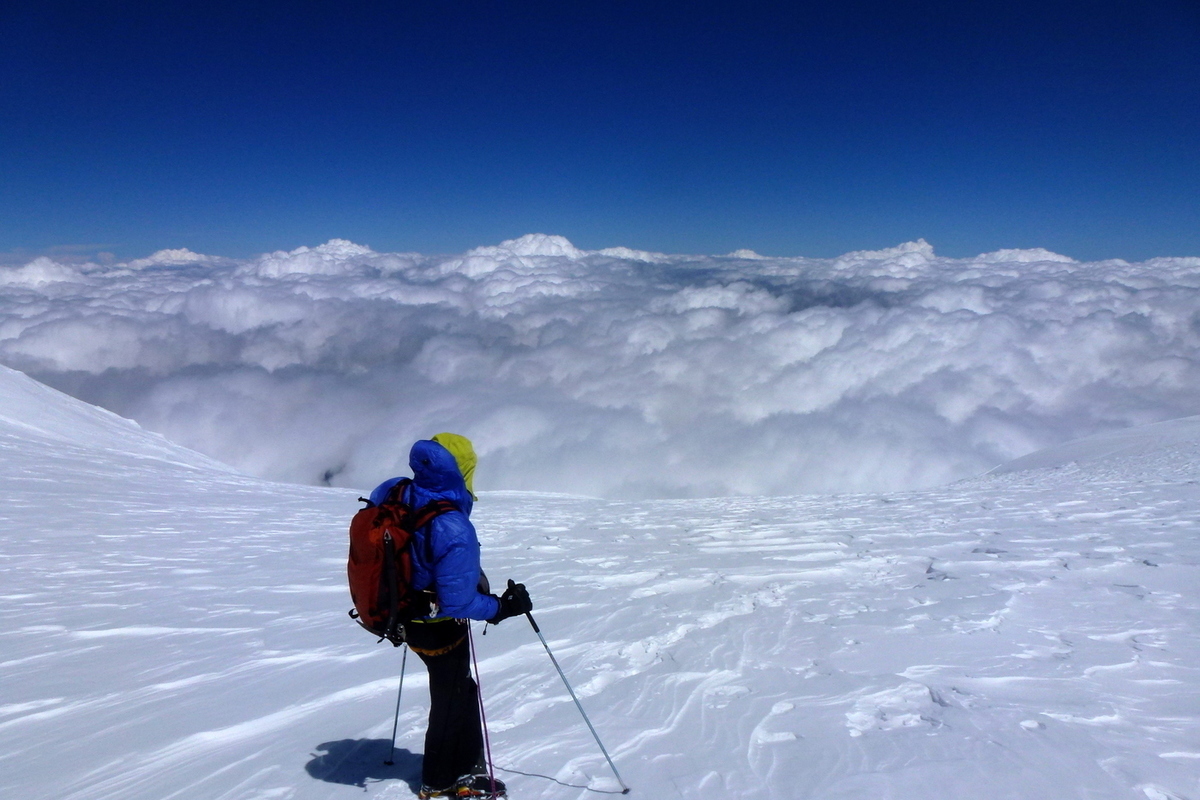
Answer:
(789, 128)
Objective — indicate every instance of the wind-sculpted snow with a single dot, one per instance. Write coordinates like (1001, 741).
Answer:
(617, 372)
(169, 630)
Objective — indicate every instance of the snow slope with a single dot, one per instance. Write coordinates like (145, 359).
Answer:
(1146, 448)
(172, 629)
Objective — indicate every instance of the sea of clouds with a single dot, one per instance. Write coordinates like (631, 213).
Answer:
(617, 372)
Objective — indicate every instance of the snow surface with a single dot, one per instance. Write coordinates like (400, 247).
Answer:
(172, 629)
(698, 375)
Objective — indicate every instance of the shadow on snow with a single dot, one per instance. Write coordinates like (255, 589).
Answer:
(354, 762)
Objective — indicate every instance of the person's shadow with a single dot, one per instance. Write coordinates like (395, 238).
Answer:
(353, 762)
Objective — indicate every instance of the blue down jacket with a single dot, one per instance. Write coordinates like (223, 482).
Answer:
(445, 552)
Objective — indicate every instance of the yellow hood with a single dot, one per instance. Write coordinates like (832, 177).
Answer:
(464, 455)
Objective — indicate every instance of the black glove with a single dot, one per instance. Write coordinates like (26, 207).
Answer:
(514, 601)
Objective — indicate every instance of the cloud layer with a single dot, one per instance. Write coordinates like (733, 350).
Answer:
(617, 372)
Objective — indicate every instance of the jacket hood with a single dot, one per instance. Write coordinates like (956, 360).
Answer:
(464, 455)
(436, 473)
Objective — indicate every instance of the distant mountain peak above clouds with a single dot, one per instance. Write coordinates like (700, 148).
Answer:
(1025, 256)
(920, 248)
(531, 244)
(174, 257)
(39, 272)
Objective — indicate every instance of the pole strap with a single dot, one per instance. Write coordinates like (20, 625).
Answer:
(487, 742)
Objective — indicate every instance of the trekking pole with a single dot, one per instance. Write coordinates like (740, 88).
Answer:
(396, 721)
(561, 674)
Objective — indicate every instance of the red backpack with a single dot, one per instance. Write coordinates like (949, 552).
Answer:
(380, 565)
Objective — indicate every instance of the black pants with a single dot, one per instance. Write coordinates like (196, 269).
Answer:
(454, 738)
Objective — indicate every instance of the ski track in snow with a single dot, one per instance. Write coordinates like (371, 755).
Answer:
(172, 630)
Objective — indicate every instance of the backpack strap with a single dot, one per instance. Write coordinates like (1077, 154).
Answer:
(425, 515)
(396, 493)
(434, 508)
(422, 516)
